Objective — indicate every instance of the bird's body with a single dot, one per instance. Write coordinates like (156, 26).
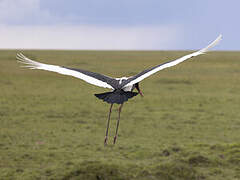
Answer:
(120, 94)
(121, 88)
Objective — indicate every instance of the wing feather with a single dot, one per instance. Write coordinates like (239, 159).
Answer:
(144, 74)
(91, 78)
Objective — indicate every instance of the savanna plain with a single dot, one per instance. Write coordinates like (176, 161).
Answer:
(187, 125)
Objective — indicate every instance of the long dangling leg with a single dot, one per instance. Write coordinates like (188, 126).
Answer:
(106, 137)
(116, 134)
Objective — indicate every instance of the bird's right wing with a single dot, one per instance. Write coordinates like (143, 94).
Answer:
(90, 77)
(144, 74)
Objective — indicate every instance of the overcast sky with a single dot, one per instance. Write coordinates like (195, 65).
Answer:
(122, 24)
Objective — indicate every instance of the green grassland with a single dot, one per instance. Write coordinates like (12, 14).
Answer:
(186, 127)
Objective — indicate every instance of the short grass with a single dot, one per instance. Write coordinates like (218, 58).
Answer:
(186, 127)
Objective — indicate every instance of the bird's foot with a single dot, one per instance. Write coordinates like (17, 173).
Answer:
(105, 140)
(115, 139)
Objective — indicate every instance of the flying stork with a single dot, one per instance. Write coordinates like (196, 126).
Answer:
(121, 88)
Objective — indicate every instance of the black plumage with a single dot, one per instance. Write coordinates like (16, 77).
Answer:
(117, 96)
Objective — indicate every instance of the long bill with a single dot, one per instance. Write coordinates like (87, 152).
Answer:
(138, 89)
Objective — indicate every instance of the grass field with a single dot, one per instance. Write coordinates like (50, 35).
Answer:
(186, 127)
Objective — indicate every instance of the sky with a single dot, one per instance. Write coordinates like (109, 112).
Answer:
(119, 25)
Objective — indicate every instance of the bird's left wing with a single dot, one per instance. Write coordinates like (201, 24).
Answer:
(90, 77)
(144, 74)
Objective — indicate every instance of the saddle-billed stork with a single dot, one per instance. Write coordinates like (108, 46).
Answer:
(122, 88)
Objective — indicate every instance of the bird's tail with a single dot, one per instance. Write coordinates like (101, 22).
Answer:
(117, 96)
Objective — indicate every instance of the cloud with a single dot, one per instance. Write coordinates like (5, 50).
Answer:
(57, 24)
(15, 10)
(89, 37)
(25, 24)
(20, 12)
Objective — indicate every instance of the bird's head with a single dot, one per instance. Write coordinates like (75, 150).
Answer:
(138, 89)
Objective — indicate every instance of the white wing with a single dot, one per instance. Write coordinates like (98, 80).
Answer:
(139, 77)
(91, 78)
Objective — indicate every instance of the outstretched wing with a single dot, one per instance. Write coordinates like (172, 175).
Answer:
(144, 74)
(90, 77)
